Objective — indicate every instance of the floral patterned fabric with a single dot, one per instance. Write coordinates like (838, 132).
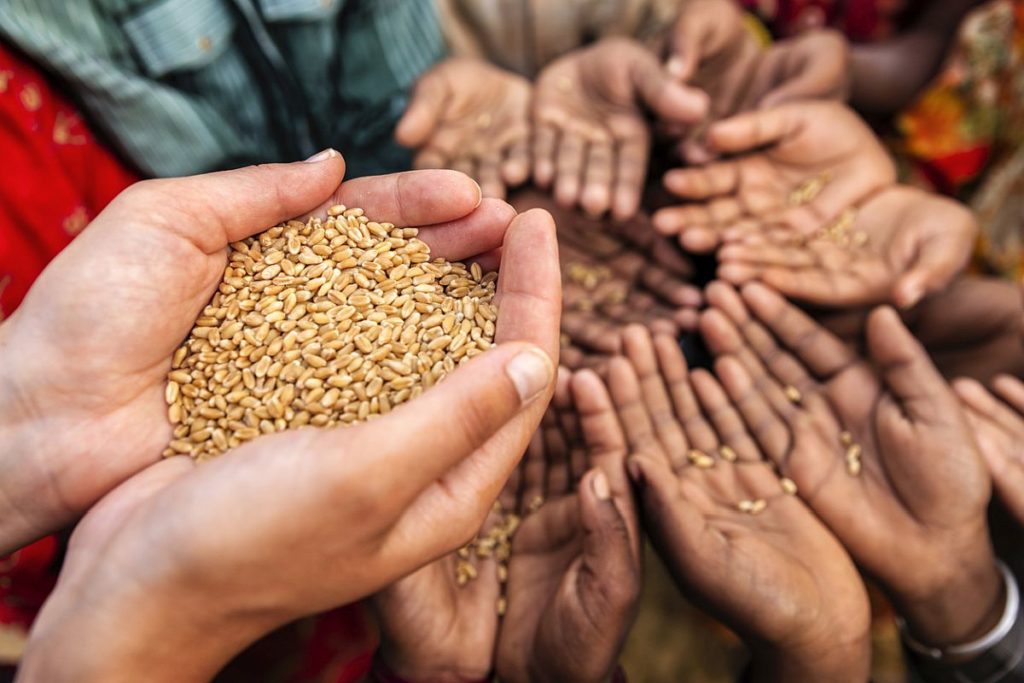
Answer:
(859, 20)
(963, 136)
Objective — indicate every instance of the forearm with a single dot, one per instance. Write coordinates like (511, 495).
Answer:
(130, 632)
(887, 76)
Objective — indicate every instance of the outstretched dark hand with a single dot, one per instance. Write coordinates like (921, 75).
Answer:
(734, 538)
(574, 577)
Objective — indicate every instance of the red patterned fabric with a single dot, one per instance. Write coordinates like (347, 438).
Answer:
(57, 177)
(859, 20)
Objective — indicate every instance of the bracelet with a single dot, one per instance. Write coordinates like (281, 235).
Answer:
(982, 644)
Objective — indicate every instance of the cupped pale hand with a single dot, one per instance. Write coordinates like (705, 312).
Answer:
(899, 246)
(87, 354)
(797, 166)
(575, 573)
(997, 415)
(733, 537)
(591, 136)
(881, 434)
(297, 522)
(473, 117)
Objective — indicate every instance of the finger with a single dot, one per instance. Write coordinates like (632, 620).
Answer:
(939, 260)
(430, 158)
(755, 129)
(627, 396)
(783, 366)
(669, 288)
(572, 151)
(515, 169)
(978, 399)
(533, 468)
(426, 107)
(729, 430)
(241, 202)
(529, 291)
(413, 198)
(676, 374)
(630, 175)
(407, 453)
(639, 349)
(545, 144)
(819, 350)
(715, 180)
(479, 233)
(609, 577)
(725, 339)
(820, 71)
(1011, 390)
(596, 194)
(489, 176)
(560, 442)
(668, 99)
(906, 368)
(599, 425)
(767, 428)
(591, 331)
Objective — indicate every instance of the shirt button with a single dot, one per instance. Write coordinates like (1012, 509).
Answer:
(205, 43)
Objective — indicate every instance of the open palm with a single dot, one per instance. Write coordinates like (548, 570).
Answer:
(90, 349)
(897, 247)
(774, 573)
(574, 577)
(883, 435)
(798, 166)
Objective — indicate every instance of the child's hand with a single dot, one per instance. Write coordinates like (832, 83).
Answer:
(899, 246)
(592, 139)
(469, 116)
(999, 428)
(772, 572)
(616, 273)
(878, 447)
(801, 166)
(711, 47)
(575, 574)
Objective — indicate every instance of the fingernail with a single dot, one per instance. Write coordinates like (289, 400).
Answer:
(322, 156)
(531, 372)
(600, 485)
(675, 66)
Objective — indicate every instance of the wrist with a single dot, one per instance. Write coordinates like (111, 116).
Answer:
(24, 488)
(962, 607)
(96, 629)
(390, 668)
(842, 660)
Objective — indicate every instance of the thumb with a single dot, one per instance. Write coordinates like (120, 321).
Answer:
(938, 261)
(905, 367)
(215, 209)
(424, 112)
(667, 98)
(610, 570)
